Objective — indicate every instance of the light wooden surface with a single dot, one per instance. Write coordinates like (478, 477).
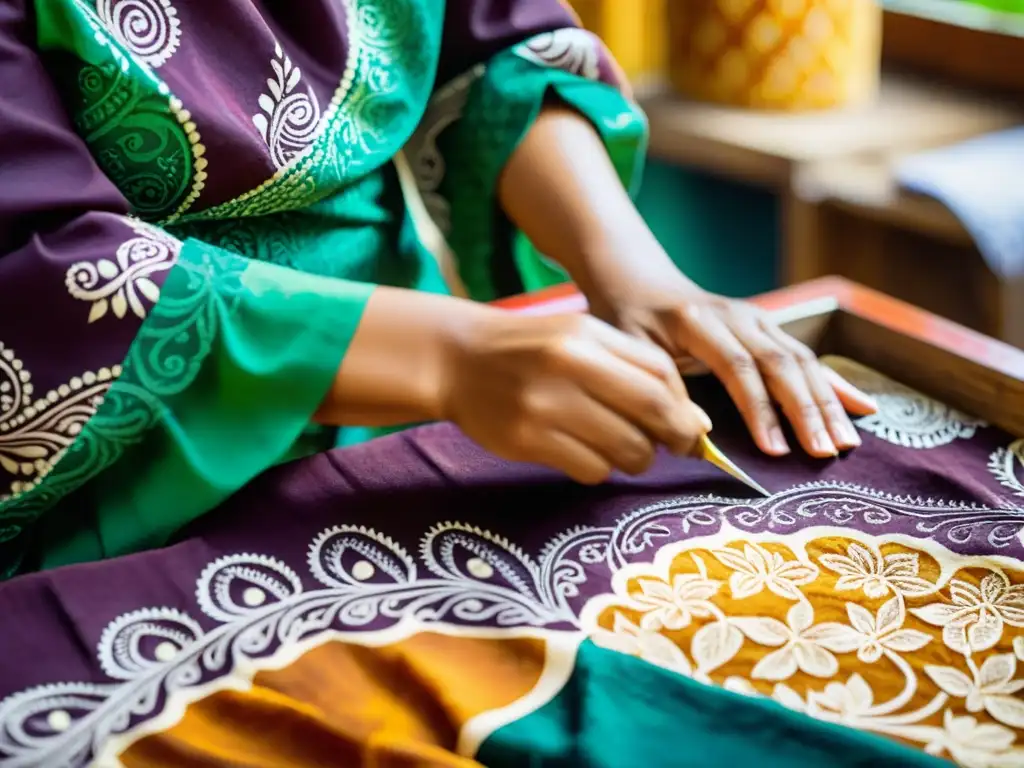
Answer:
(764, 148)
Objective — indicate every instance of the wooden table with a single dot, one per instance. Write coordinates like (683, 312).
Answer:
(953, 364)
(842, 211)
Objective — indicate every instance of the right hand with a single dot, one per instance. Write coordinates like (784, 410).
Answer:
(569, 392)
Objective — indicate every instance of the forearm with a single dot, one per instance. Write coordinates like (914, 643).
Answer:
(395, 370)
(561, 189)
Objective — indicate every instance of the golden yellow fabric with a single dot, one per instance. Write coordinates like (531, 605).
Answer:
(886, 634)
(394, 706)
(776, 54)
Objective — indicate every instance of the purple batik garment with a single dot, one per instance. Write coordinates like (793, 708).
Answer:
(459, 537)
(137, 146)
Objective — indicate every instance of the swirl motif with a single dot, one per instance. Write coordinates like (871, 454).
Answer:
(290, 117)
(574, 50)
(149, 29)
(470, 577)
(122, 283)
(905, 417)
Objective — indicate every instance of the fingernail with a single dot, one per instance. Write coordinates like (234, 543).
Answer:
(849, 435)
(705, 420)
(823, 444)
(777, 440)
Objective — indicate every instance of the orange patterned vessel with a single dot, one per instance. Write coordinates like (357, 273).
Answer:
(786, 55)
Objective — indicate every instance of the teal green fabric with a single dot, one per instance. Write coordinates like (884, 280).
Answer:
(225, 374)
(500, 108)
(252, 324)
(617, 711)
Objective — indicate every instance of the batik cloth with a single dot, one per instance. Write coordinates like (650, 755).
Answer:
(413, 601)
(197, 199)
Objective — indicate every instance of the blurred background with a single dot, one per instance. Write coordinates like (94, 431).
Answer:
(797, 138)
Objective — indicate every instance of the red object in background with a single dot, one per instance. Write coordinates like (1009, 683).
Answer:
(897, 316)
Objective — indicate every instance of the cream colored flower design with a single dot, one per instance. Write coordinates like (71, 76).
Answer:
(800, 645)
(872, 635)
(844, 701)
(781, 693)
(632, 640)
(756, 569)
(975, 619)
(674, 606)
(867, 570)
(1006, 465)
(120, 284)
(991, 687)
(974, 745)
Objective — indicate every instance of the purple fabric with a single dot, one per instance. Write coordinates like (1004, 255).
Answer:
(64, 224)
(313, 517)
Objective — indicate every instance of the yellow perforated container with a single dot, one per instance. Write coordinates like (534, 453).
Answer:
(775, 54)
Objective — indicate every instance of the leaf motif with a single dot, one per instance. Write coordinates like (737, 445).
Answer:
(757, 558)
(951, 681)
(119, 305)
(964, 594)
(763, 630)
(863, 557)
(997, 671)
(993, 586)
(907, 640)
(714, 645)
(1018, 647)
(912, 586)
(800, 616)
(787, 697)
(149, 289)
(1008, 710)
(901, 565)
(261, 125)
(266, 103)
(98, 310)
(10, 467)
(937, 614)
(836, 637)
(744, 585)
(815, 660)
(293, 80)
(840, 564)
(890, 616)
(730, 558)
(275, 89)
(776, 666)
(985, 633)
(107, 269)
(661, 651)
(861, 618)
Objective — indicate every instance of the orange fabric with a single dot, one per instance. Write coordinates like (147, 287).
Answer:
(395, 706)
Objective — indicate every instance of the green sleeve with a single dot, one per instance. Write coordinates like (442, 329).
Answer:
(470, 130)
(218, 385)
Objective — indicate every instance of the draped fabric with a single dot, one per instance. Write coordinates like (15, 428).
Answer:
(196, 201)
(413, 601)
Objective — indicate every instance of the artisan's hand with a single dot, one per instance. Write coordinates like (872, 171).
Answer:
(756, 361)
(569, 392)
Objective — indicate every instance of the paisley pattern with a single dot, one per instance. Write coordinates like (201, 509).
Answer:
(682, 605)
(906, 417)
(289, 114)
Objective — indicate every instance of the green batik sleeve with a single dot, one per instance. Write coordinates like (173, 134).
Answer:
(474, 123)
(218, 385)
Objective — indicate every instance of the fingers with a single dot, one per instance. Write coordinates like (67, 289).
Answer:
(736, 368)
(621, 444)
(660, 409)
(844, 435)
(567, 454)
(855, 401)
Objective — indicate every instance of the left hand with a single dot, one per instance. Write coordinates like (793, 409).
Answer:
(758, 363)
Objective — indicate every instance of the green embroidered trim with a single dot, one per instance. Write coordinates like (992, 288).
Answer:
(138, 132)
(474, 124)
(163, 361)
(392, 57)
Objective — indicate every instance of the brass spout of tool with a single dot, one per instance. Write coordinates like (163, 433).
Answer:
(709, 452)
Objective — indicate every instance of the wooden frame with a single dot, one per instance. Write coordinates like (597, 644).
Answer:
(978, 58)
(949, 362)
